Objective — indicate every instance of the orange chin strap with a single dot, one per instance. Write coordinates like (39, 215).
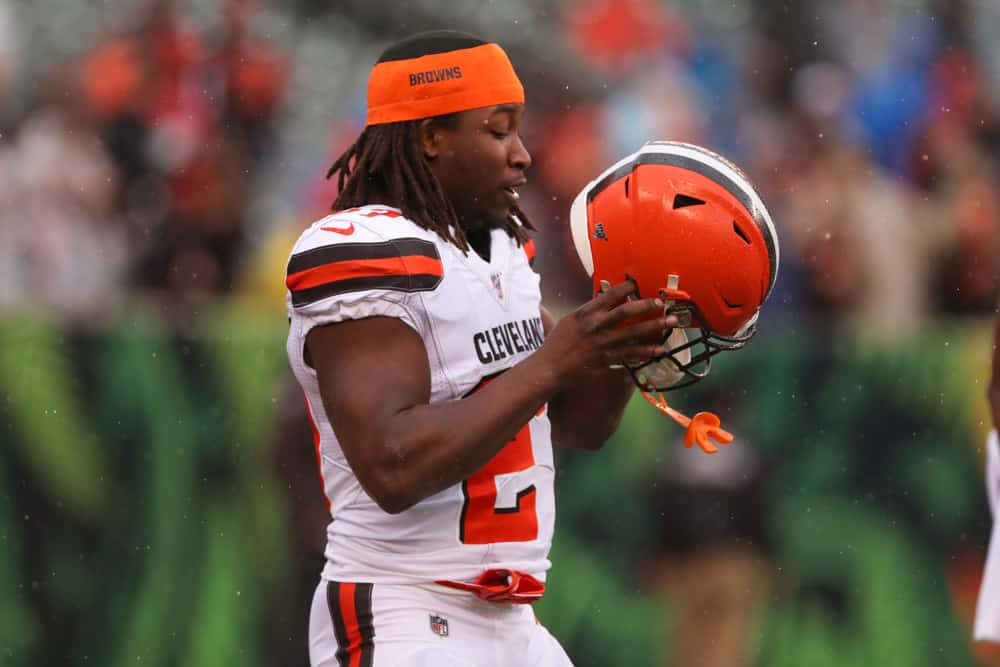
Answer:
(442, 83)
(698, 429)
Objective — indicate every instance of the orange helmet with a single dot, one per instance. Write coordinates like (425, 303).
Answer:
(686, 225)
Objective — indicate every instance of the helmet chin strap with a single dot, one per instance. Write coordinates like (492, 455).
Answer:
(704, 425)
(697, 429)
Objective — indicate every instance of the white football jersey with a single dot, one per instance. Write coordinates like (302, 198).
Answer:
(477, 319)
(987, 624)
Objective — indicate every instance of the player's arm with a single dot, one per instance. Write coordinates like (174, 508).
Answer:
(585, 415)
(374, 379)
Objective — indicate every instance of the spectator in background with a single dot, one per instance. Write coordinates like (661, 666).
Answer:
(203, 167)
(254, 73)
(954, 163)
(965, 281)
(61, 245)
(9, 52)
(862, 240)
(569, 155)
(618, 36)
(187, 122)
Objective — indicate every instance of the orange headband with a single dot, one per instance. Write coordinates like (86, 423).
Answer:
(442, 83)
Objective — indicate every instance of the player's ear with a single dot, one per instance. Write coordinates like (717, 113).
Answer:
(430, 138)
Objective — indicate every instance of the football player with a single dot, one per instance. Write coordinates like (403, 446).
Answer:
(987, 625)
(437, 382)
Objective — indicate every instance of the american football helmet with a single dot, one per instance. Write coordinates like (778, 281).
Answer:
(684, 224)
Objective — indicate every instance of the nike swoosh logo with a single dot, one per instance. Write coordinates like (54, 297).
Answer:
(346, 231)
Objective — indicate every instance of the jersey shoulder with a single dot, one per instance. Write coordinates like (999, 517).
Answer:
(363, 249)
(359, 225)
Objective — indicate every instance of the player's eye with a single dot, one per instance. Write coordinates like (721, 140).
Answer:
(499, 134)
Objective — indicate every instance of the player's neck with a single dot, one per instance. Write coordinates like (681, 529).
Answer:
(480, 240)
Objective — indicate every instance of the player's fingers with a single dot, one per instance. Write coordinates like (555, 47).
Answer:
(630, 309)
(654, 330)
(633, 353)
(609, 298)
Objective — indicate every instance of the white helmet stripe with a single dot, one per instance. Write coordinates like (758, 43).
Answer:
(580, 231)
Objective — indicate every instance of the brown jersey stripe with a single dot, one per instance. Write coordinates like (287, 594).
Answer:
(420, 282)
(402, 265)
(366, 623)
(333, 591)
(389, 266)
(343, 252)
(351, 612)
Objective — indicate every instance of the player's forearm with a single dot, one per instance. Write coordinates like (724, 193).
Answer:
(585, 417)
(426, 448)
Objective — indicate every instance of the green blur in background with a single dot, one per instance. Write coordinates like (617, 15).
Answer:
(144, 519)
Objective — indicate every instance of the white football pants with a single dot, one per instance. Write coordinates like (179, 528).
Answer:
(387, 625)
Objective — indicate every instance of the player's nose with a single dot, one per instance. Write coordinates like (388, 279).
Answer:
(519, 157)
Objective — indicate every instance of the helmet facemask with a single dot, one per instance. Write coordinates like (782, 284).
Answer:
(689, 351)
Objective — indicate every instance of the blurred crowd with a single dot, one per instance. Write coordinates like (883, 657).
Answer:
(169, 157)
(126, 171)
(170, 152)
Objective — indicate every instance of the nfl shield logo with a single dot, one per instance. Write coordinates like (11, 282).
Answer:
(439, 625)
(497, 285)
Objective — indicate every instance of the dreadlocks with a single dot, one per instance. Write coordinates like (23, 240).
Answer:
(386, 165)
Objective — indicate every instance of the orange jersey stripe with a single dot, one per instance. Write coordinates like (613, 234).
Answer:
(529, 250)
(364, 268)
(319, 457)
(351, 624)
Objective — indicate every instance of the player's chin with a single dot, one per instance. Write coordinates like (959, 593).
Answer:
(507, 202)
(499, 215)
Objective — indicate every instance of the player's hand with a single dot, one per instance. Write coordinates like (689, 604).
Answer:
(610, 329)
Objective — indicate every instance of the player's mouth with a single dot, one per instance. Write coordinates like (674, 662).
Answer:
(511, 191)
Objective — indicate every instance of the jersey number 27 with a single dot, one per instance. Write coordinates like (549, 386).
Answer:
(511, 518)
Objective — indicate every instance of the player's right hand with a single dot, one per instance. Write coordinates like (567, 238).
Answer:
(610, 329)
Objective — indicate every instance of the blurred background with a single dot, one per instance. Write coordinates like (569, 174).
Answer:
(159, 501)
